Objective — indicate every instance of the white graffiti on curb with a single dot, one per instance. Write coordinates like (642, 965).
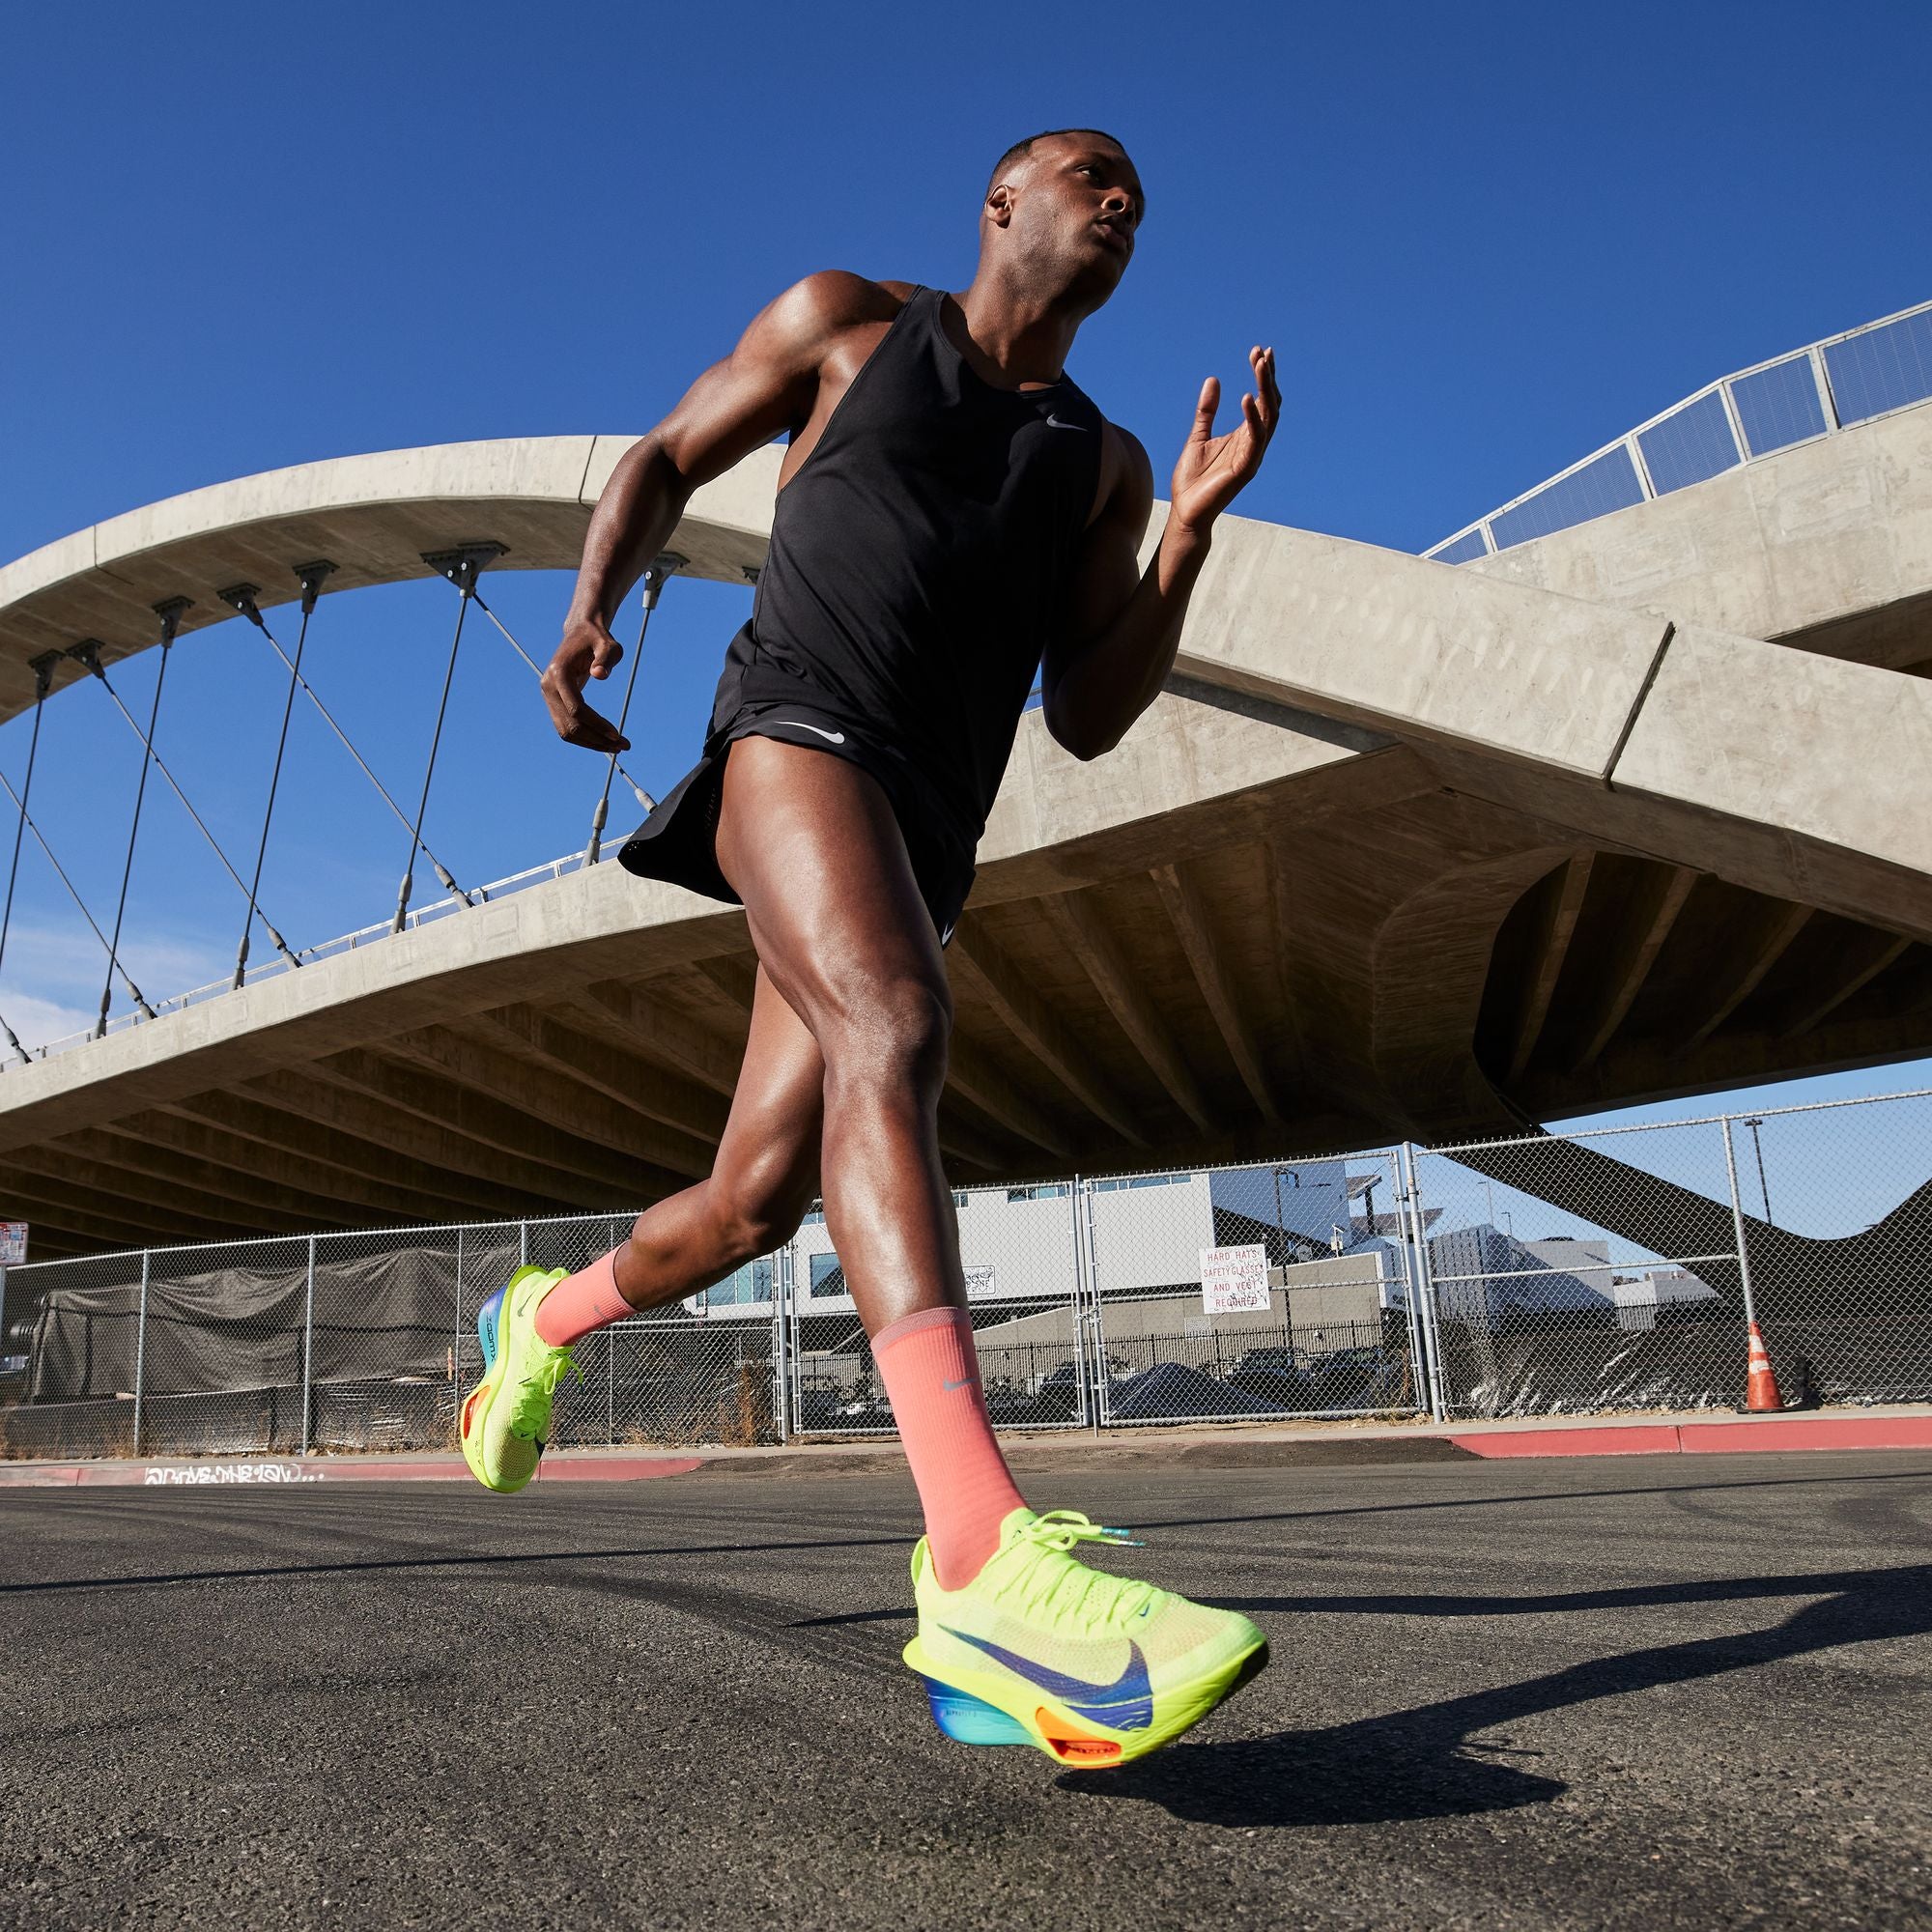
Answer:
(237, 1472)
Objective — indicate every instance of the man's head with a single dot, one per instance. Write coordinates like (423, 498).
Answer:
(1060, 213)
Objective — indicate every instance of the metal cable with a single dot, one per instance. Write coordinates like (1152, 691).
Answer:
(43, 668)
(243, 597)
(461, 570)
(311, 576)
(60, 872)
(655, 573)
(87, 653)
(134, 825)
(670, 562)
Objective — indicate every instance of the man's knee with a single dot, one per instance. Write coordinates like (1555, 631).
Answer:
(891, 1034)
(751, 1214)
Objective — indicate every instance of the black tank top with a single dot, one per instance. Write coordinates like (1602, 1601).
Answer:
(920, 560)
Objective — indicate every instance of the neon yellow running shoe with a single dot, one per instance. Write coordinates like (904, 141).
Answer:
(1090, 1668)
(506, 1415)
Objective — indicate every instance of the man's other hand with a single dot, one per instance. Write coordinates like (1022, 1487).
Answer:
(589, 650)
(1212, 468)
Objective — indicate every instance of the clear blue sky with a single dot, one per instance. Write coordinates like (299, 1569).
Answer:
(1482, 242)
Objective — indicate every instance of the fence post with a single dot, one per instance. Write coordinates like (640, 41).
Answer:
(308, 1343)
(523, 1243)
(1094, 1335)
(1425, 1284)
(782, 1341)
(141, 1348)
(1738, 1225)
(456, 1345)
(1412, 1292)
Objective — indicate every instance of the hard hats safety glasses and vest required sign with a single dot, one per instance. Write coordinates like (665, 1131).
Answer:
(12, 1243)
(1234, 1281)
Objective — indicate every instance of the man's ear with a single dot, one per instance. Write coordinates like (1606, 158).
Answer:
(999, 206)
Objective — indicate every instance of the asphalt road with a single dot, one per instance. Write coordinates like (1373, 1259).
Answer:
(1647, 1693)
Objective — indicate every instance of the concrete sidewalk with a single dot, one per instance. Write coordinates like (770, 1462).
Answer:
(1332, 1444)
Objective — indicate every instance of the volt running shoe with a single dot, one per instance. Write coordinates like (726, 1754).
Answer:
(1090, 1668)
(506, 1417)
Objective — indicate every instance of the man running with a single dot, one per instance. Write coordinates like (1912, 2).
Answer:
(953, 517)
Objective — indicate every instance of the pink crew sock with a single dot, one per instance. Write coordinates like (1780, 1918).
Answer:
(931, 1372)
(582, 1303)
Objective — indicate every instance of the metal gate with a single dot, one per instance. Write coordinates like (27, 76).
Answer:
(1329, 1326)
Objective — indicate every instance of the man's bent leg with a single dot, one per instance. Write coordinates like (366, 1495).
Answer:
(810, 845)
(765, 1176)
(759, 1188)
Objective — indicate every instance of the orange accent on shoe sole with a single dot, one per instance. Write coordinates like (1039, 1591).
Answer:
(468, 1405)
(1074, 1747)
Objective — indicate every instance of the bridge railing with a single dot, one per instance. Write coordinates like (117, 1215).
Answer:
(1558, 1274)
(1837, 383)
(273, 966)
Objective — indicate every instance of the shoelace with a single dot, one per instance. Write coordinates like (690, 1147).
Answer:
(1064, 1590)
(529, 1407)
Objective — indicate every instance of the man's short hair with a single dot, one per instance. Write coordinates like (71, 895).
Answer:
(1021, 149)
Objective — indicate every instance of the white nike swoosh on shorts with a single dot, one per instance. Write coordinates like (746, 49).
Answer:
(799, 724)
(1054, 422)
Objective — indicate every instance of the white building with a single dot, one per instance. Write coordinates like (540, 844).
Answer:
(1637, 1302)
(1146, 1231)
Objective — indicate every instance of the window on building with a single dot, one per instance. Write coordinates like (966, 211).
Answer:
(828, 1278)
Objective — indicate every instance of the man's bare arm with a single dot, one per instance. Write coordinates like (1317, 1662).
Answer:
(766, 385)
(1123, 624)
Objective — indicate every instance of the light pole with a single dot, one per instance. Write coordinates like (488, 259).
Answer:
(1754, 1123)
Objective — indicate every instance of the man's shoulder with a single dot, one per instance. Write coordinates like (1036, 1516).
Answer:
(835, 299)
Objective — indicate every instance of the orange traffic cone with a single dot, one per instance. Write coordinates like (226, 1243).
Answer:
(1761, 1386)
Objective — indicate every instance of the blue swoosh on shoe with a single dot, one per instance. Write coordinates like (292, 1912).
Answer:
(1125, 1705)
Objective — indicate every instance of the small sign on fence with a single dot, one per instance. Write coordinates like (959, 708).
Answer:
(1234, 1281)
(982, 1282)
(12, 1243)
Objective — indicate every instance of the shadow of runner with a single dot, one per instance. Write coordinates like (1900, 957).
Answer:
(1424, 1763)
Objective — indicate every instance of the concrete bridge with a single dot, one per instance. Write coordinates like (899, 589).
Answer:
(1641, 809)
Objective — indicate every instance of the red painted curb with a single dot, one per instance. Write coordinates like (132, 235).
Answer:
(1708, 1438)
(617, 1468)
(1649, 1440)
(1823, 1431)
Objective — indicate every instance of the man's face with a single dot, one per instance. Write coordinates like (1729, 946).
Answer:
(1076, 205)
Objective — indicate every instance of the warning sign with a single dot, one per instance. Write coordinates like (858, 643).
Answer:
(1234, 1281)
(12, 1243)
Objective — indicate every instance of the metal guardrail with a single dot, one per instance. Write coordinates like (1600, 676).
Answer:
(1837, 383)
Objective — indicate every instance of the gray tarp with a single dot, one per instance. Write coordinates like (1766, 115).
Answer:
(379, 1315)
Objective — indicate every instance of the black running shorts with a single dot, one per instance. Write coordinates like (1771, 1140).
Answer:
(678, 842)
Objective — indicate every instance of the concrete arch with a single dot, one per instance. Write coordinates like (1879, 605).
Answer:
(373, 516)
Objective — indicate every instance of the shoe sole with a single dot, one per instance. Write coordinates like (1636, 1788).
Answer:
(994, 1712)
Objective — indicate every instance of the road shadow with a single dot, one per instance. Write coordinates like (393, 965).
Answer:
(1431, 1762)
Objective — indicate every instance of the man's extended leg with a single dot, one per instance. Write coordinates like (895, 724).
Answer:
(1018, 1642)
(810, 845)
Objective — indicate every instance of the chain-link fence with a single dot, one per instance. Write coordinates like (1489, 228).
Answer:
(1274, 1289)
(1547, 1274)
(1020, 1249)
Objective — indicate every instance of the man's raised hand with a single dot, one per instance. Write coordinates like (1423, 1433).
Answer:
(589, 650)
(1212, 468)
